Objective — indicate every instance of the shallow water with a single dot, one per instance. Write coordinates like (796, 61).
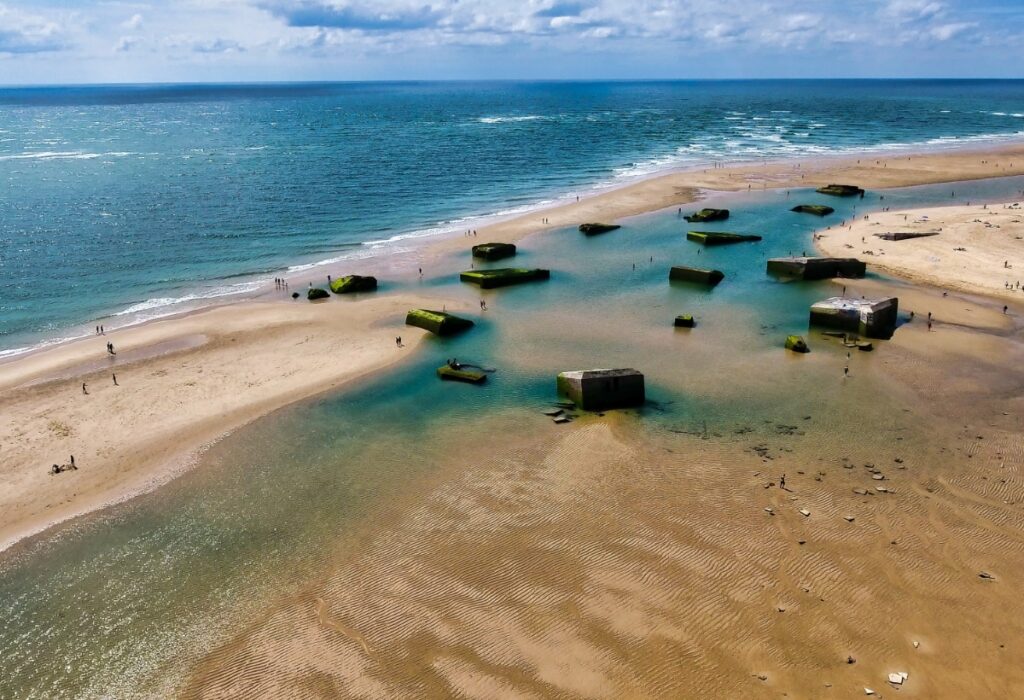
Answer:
(126, 202)
(124, 602)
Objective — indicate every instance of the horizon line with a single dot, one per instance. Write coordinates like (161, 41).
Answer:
(257, 83)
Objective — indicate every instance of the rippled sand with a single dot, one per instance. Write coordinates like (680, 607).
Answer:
(627, 557)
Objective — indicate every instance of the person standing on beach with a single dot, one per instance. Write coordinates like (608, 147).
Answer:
(782, 481)
(84, 390)
(114, 377)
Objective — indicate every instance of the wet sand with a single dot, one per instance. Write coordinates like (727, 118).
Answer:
(613, 558)
(182, 383)
(108, 440)
(598, 559)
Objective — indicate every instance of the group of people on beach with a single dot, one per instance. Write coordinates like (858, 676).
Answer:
(280, 283)
(100, 330)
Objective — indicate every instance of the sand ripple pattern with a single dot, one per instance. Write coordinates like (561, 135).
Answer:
(595, 563)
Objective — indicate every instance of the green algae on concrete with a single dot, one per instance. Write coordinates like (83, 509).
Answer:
(708, 215)
(593, 229)
(720, 237)
(816, 209)
(796, 343)
(437, 322)
(503, 276)
(470, 376)
(685, 321)
(494, 251)
(695, 274)
(351, 284)
(315, 294)
(841, 190)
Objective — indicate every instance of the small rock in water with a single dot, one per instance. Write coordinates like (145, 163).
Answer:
(769, 511)
(848, 518)
(878, 477)
(869, 691)
(851, 660)
(881, 489)
(804, 512)
(562, 419)
(916, 644)
(553, 412)
(987, 576)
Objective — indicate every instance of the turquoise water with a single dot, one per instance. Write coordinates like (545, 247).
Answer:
(128, 202)
(121, 603)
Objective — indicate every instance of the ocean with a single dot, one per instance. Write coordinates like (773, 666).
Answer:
(122, 203)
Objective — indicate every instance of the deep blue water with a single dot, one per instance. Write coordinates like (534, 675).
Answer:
(131, 198)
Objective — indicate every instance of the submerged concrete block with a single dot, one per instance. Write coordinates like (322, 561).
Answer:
(803, 268)
(696, 274)
(708, 215)
(353, 283)
(437, 322)
(841, 190)
(601, 389)
(872, 318)
(719, 237)
(796, 343)
(503, 277)
(593, 229)
(470, 376)
(816, 209)
(494, 251)
(685, 321)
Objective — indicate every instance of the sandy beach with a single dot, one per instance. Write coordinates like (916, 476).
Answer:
(209, 372)
(684, 187)
(182, 383)
(606, 558)
(976, 249)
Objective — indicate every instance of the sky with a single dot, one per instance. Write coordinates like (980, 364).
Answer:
(120, 41)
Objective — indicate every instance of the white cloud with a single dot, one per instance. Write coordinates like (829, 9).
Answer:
(23, 32)
(133, 23)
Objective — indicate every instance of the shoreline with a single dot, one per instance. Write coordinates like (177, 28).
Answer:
(42, 383)
(169, 406)
(699, 179)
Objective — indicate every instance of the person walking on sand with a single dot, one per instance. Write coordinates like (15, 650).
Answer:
(483, 305)
(114, 377)
(782, 481)
(846, 371)
(1005, 307)
(398, 341)
(73, 462)
(84, 390)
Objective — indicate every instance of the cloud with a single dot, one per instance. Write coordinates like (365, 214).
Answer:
(912, 10)
(337, 15)
(23, 33)
(945, 32)
(133, 23)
